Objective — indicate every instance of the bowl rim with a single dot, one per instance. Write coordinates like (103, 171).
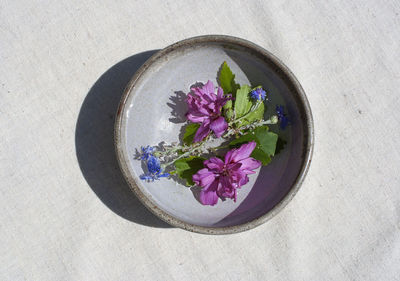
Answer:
(308, 124)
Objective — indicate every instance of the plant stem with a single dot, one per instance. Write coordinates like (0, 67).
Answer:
(252, 109)
(200, 145)
(187, 153)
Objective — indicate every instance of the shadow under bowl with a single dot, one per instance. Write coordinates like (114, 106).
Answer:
(152, 110)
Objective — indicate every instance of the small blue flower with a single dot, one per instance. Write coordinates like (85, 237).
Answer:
(146, 152)
(258, 94)
(283, 120)
(154, 170)
(153, 165)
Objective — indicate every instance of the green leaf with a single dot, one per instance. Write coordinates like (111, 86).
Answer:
(191, 130)
(266, 143)
(244, 105)
(242, 101)
(242, 139)
(260, 155)
(187, 167)
(228, 111)
(280, 144)
(252, 116)
(266, 140)
(257, 114)
(227, 80)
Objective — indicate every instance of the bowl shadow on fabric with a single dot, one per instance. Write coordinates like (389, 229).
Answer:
(94, 142)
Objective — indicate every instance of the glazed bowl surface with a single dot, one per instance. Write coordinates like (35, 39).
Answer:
(152, 110)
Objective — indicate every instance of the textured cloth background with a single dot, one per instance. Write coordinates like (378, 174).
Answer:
(66, 213)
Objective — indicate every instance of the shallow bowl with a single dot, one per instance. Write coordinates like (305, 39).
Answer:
(152, 110)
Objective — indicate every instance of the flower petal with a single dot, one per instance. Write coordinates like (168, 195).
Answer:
(203, 177)
(196, 117)
(209, 88)
(204, 110)
(203, 131)
(284, 122)
(228, 156)
(249, 164)
(242, 152)
(219, 126)
(198, 93)
(208, 196)
(164, 175)
(242, 181)
(226, 189)
(146, 177)
(220, 93)
(233, 166)
(153, 165)
(238, 178)
(215, 164)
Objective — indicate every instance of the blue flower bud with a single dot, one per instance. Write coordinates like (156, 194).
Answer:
(283, 120)
(154, 171)
(258, 94)
(146, 152)
(153, 165)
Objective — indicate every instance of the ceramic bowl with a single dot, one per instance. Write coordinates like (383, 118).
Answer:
(152, 110)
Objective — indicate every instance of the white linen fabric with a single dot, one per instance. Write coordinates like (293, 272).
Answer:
(66, 212)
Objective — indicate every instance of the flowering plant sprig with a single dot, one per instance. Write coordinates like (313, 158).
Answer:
(232, 113)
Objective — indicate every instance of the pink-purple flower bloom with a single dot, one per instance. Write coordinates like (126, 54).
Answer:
(223, 178)
(205, 108)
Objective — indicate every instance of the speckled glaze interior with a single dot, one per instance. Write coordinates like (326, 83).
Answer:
(152, 110)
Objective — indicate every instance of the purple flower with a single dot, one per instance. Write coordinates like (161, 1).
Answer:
(258, 94)
(223, 178)
(205, 108)
(283, 120)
